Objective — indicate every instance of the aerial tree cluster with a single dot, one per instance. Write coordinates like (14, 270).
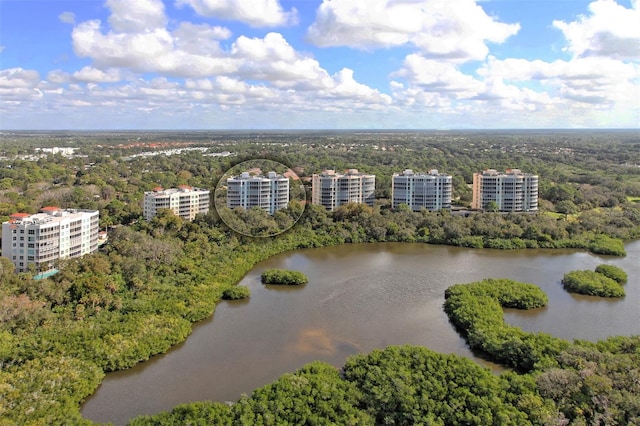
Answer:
(277, 276)
(605, 281)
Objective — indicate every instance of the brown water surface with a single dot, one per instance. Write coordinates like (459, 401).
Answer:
(359, 297)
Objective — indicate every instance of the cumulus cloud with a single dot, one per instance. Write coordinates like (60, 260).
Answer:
(18, 85)
(256, 13)
(347, 87)
(610, 30)
(136, 16)
(67, 17)
(199, 39)
(94, 75)
(273, 59)
(154, 50)
(19, 78)
(456, 30)
(595, 81)
(437, 76)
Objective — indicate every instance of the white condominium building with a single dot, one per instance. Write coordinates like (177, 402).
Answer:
(184, 201)
(40, 239)
(331, 189)
(512, 191)
(270, 192)
(431, 191)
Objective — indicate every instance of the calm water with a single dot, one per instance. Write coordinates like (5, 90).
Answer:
(359, 297)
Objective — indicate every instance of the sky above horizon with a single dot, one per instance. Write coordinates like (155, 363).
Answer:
(319, 64)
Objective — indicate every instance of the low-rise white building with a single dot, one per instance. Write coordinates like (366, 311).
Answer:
(41, 239)
(431, 191)
(270, 192)
(332, 190)
(184, 201)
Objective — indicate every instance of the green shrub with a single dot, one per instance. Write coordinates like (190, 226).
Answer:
(283, 277)
(236, 292)
(592, 284)
(614, 272)
(603, 244)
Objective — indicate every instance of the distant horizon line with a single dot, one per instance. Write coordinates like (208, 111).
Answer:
(354, 130)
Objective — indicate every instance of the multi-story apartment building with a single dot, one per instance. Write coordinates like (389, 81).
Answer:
(512, 191)
(41, 239)
(184, 201)
(431, 191)
(270, 192)
(331, 189)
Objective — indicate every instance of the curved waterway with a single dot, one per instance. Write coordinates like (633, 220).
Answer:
(359, 297)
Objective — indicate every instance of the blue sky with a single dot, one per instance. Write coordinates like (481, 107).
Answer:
(310, 64)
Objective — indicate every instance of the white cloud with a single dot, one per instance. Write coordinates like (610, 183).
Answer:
(456, 30)
(58, 77)
(67, 17)
(256, 13)
(438, 77)
(136, 16)
(18, 86)
(150, 51)
(199, 39)
(19, 78)
(273, 59)
(597, 81)
(94, 75)
(611, 30)
(346, 87)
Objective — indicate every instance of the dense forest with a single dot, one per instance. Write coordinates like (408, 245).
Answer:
(139, 295)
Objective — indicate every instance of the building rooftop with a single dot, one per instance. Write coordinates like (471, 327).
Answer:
(159, 192)
(46, 214)
(409, 172)
(348, 172)
(248, 176)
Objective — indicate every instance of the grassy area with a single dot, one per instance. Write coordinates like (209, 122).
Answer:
(633, 199)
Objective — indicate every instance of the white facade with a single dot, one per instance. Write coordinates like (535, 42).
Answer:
(431, 191)
(41, 239)
(185, 202)
(270, 192)
(512, 191)
(331, 189)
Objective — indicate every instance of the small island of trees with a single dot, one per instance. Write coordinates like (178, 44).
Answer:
(236, 292)
(605, 281)
(283, 277)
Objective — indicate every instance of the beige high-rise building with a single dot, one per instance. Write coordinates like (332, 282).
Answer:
(431, 191)
(270, 192)
(512, 191)
(42, 238)
(331, 189)
(184, 201)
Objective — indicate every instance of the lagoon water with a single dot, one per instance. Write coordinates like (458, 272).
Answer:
(359, 297)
